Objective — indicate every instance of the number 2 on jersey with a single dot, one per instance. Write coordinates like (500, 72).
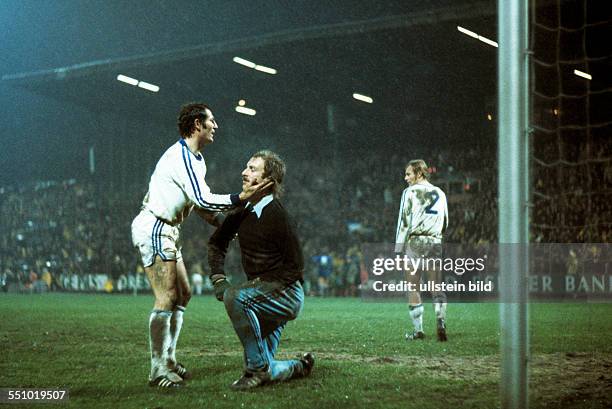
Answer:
(433, 196)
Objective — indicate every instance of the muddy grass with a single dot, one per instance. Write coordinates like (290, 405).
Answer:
(558, 380)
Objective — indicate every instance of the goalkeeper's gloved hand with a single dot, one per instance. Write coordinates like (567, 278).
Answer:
(220, 285)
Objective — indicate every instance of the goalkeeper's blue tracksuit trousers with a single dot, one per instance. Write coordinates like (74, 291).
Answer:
(259, 311)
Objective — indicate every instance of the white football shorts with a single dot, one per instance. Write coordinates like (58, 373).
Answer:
(154, 237)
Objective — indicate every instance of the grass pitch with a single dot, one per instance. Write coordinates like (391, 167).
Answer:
(97, 347)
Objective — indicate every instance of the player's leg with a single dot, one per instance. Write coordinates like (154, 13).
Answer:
(256, 304)
(439, 303)
(271, 334)
(155, 242)
(279, 370)
(415, 308)
(415, 304)
(288, 369)
(284, 370)
(162, 276)
(176, 321)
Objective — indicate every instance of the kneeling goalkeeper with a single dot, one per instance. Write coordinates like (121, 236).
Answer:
(272, 260)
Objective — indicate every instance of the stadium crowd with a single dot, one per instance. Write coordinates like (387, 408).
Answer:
(77, 227)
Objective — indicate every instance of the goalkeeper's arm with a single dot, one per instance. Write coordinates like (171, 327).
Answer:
(216, 259)
(217, 249)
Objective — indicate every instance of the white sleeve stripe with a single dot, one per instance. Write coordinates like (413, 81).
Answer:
(187, 169)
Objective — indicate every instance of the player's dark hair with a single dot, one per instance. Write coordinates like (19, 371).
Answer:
(274, 168)
(419, 167)
(188, 114)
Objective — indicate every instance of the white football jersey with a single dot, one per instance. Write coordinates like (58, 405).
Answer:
(423, 212)
(178, 184)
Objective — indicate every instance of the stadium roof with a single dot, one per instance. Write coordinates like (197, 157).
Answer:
(407, 56)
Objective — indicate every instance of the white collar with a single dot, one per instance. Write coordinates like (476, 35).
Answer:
(258, 208)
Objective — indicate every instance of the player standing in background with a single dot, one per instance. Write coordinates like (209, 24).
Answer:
(423, 218)
(177, 187)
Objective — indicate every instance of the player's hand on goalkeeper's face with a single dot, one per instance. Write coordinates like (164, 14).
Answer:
(219, 287)
(256, 190)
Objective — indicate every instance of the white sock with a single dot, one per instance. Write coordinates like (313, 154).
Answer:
(416, 314)
(159, 341)
(440, 308)
(176, 323)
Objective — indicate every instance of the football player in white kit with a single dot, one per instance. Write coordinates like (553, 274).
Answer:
(177, 187)
(423, 218)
